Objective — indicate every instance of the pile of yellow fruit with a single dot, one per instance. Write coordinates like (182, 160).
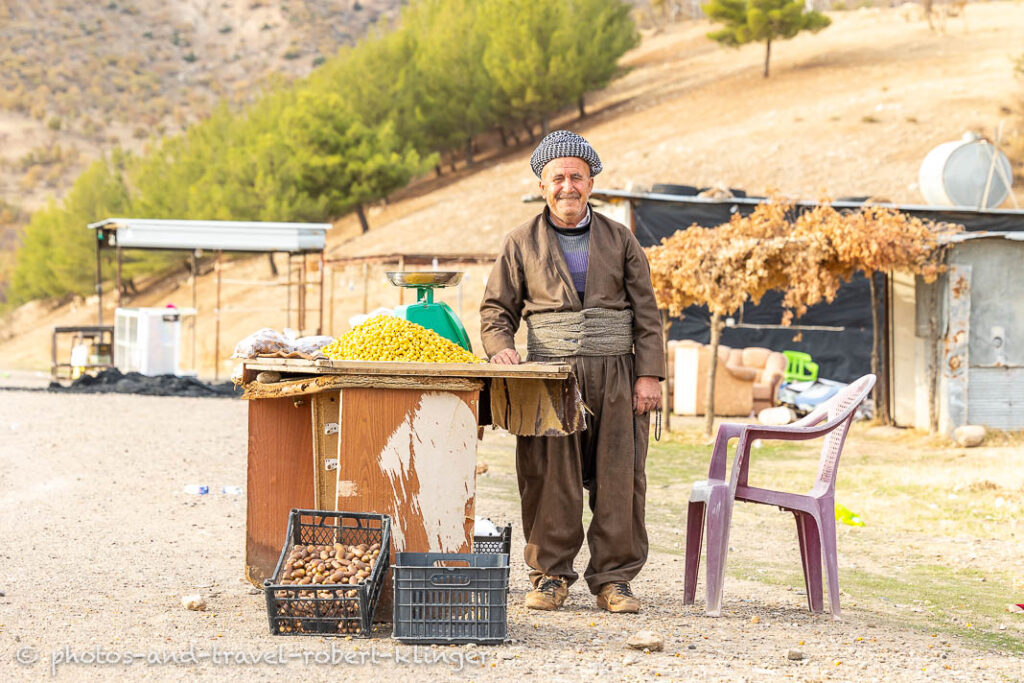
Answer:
(387, 338)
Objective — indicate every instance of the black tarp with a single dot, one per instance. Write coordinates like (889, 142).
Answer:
(842, 356)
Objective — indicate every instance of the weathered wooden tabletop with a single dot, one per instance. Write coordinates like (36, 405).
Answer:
(358, 367)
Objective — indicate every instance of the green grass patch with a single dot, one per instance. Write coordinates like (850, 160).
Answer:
(934, 556)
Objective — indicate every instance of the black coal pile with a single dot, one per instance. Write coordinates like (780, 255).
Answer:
(113, 381)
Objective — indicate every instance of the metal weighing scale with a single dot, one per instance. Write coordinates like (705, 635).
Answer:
(433, 315)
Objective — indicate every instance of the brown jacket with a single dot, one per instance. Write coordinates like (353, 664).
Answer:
(531, 276)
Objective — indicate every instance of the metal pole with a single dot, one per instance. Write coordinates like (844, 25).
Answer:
(216, 336)
(99, 278)
(366, 287)
(887, 395)
(666, 399)
(320, 322)
(119, 285)
(302, 296)
(401, 290)
(993, 162)
(288, 294)
(195, 307)
(53, 355)
(330, 308)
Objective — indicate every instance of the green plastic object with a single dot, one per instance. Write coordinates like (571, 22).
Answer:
(800, 367)
(433, 315)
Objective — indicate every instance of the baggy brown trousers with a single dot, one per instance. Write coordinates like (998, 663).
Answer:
(608, 458)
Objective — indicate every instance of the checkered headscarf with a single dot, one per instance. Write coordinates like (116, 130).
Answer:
(564, 143)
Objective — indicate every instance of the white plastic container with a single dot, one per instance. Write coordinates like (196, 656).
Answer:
(148, 340)
(956, 174)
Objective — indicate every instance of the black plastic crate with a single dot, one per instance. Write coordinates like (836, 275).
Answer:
(451, 598)
(500, 544)
(328, 609)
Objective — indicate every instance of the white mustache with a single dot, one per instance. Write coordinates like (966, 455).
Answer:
(568, 196)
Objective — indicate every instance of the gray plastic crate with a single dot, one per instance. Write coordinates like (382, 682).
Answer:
(451, 598)
(500, 544)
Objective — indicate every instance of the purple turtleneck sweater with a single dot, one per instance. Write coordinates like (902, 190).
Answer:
(575, 244)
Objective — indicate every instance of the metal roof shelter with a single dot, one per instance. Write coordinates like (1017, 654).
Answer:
(241, 236)
(218, 236)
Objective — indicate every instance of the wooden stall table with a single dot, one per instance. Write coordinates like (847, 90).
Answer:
(392, 438)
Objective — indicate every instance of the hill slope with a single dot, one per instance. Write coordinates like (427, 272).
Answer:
(87, 75)
(849, 111)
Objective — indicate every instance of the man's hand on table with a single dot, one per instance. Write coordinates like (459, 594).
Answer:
(646, 395)
(507, 357)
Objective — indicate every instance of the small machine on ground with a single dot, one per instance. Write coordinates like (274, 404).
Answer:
(433, 315)
(90, 350)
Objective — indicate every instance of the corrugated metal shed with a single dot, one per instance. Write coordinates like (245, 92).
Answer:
(241, 236)
(958, 343)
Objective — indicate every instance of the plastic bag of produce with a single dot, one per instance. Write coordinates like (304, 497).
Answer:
(270, 342)
(310, 346)
(265, 342)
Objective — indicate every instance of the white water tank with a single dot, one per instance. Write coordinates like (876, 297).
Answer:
(956, 174)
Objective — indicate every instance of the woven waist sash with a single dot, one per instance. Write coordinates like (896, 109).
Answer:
(590, 332)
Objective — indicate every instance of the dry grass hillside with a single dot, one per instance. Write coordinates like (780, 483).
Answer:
(77, 78)
(849, 111)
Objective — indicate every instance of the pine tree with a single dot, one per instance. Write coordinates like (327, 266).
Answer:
(452, 92)
(748, 21)
(603, 32)
(340, 160)
(532, 58)
(377, 79)
(58, 254)
(172, 180)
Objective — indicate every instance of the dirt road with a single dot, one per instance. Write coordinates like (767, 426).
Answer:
(100, 542)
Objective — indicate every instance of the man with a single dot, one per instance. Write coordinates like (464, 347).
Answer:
(567, 269)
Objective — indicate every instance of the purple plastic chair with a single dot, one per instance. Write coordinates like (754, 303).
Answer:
(711, 500)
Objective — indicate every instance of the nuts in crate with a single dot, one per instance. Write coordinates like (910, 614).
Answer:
(329, 575)
(310, 607)
(338, 563)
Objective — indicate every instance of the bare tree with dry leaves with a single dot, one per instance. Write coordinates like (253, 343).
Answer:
(806, 255)
(871, 240)
(721, 268)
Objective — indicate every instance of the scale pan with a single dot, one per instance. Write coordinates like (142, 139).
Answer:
(425, 278)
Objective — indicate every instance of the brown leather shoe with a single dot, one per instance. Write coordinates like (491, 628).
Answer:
(550, 593)
(617, 597)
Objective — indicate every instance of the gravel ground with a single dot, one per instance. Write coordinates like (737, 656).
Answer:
(101, 542)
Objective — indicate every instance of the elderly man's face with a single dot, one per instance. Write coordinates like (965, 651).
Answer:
(566, 184)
